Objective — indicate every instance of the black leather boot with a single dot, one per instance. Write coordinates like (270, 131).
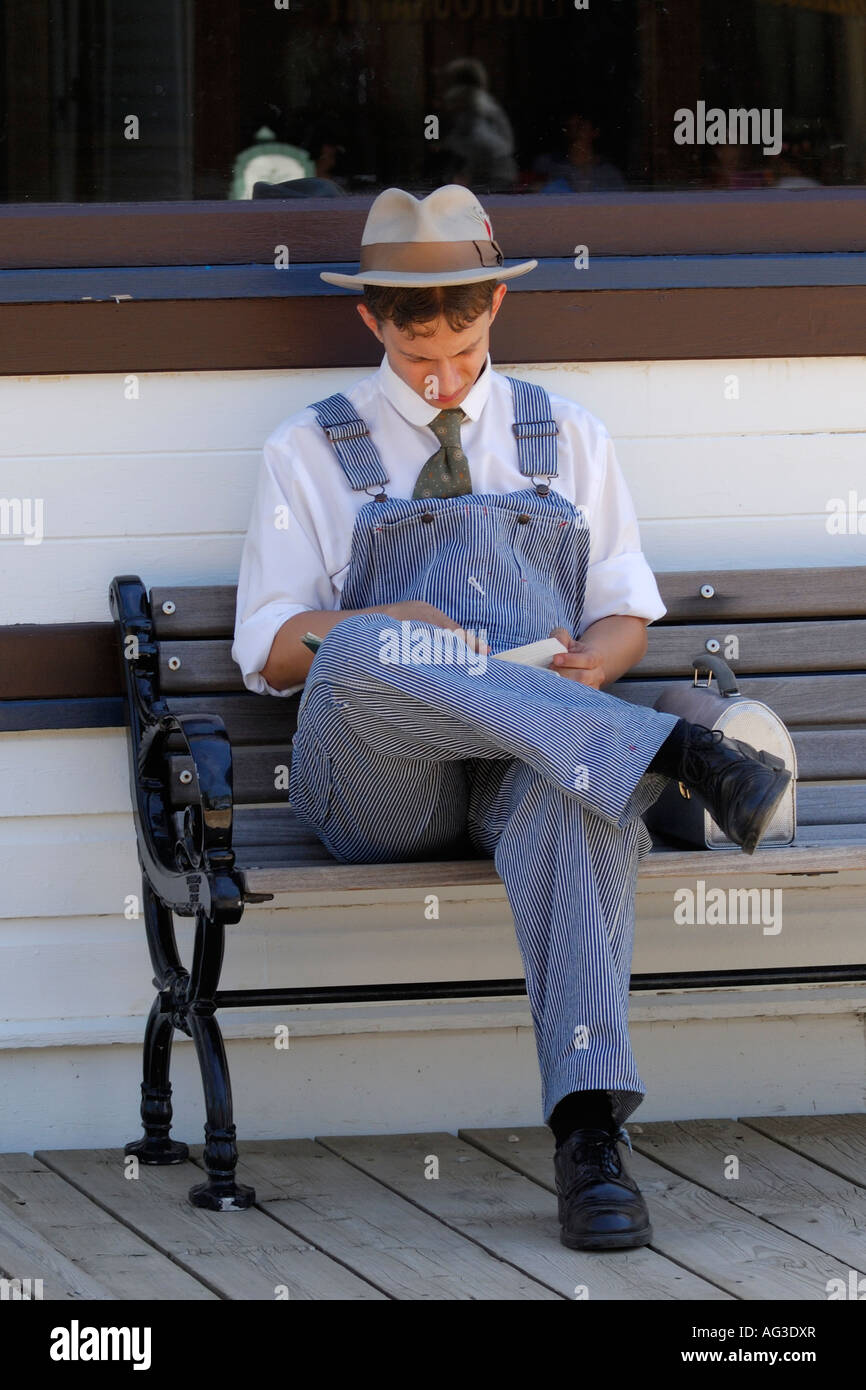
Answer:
(739, 786)
(600, 1204)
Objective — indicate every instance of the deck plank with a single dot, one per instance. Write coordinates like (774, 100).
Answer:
(705, 1233)
(356, 1218)
(104, 1252)
(772, 1182)
(25, 1254)
(352, 1217)
(837, 1142)
(511, 1217)
(240, 1255)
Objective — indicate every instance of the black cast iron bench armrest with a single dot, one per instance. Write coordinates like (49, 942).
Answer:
(189, 851)
(185, 854)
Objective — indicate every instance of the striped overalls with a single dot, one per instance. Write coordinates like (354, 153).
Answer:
(400, 759)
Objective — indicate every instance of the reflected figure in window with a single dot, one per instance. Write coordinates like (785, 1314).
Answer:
(578, 169)
(734, 166)
(804, 148)
(477, 143)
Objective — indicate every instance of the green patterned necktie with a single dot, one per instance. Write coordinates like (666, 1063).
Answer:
(446, 473)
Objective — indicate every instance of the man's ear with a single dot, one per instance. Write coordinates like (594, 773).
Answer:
(498, 296)
(370, 321)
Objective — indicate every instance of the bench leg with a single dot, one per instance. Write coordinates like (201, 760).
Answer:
(156, 1147)
(220, 1192)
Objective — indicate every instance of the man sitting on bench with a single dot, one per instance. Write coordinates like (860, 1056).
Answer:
(376, 523)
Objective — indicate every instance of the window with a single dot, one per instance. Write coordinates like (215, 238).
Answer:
(111, 101)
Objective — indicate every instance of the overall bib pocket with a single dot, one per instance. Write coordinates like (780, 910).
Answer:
(511, 565)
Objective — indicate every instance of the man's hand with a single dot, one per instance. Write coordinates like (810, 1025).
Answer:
(417, 611)
(580, 663)
(608, 648)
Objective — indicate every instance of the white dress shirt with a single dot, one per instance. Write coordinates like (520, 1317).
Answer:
(296, 553)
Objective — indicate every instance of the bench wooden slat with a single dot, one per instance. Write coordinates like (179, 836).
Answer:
(821, 592)
(831, 803)
(251, 719)
(764, 648)
(254, 772)
(274, 836)
(271, 835)
(819, 849)
(832, 645)
(202, 610)
(204, 666)
(275, 830)
(267, 825)
(822, 755)
(825, 755)
(826, 700)
(277, 856)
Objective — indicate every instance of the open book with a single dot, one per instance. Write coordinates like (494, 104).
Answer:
(532, 654)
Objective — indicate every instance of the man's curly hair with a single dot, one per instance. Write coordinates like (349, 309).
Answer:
(410, 309)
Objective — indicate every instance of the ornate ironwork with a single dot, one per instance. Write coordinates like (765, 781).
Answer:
(187, 867)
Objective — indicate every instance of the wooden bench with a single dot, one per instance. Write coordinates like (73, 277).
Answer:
(208, 765)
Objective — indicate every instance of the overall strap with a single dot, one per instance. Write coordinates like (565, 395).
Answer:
(534, 428)
(358, 455)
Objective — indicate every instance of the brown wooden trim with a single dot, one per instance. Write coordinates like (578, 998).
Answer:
(51, 661)
(704, 222)
(554, 326)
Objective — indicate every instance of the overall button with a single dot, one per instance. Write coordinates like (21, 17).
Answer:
(523, 518)
(426, 516)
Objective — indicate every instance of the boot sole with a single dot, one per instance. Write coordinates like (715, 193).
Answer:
(616, 1240)
(764, 814)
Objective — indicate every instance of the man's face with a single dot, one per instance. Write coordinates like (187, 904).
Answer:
(443, 366)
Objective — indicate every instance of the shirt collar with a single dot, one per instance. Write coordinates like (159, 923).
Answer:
(420, 412)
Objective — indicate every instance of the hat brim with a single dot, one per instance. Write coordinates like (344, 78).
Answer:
(417, 279)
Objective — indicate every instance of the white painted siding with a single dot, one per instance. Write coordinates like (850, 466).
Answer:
(162, 485)
(716, 482)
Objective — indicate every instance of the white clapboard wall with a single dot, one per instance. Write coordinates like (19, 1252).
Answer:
(163, 484)
(730, 463)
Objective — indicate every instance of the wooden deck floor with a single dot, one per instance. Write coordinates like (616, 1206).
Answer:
(359, 1218)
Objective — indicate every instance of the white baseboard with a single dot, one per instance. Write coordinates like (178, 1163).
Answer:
(409, 1069)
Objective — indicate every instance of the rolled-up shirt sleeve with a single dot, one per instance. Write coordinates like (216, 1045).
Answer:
(282, 571)
(619, 579)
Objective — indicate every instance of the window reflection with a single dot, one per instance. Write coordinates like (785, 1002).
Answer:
(115, 101)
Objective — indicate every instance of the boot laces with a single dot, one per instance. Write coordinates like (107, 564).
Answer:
(700, 739)
(598, 1157)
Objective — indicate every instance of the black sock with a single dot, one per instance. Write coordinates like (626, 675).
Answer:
(668, 756)
(580, 1110)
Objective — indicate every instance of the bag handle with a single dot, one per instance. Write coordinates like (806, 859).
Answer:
(725, 678)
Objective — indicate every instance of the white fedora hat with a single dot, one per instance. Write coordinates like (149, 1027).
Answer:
(443, 239)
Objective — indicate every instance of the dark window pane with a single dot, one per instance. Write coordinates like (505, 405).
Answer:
(115, 101)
